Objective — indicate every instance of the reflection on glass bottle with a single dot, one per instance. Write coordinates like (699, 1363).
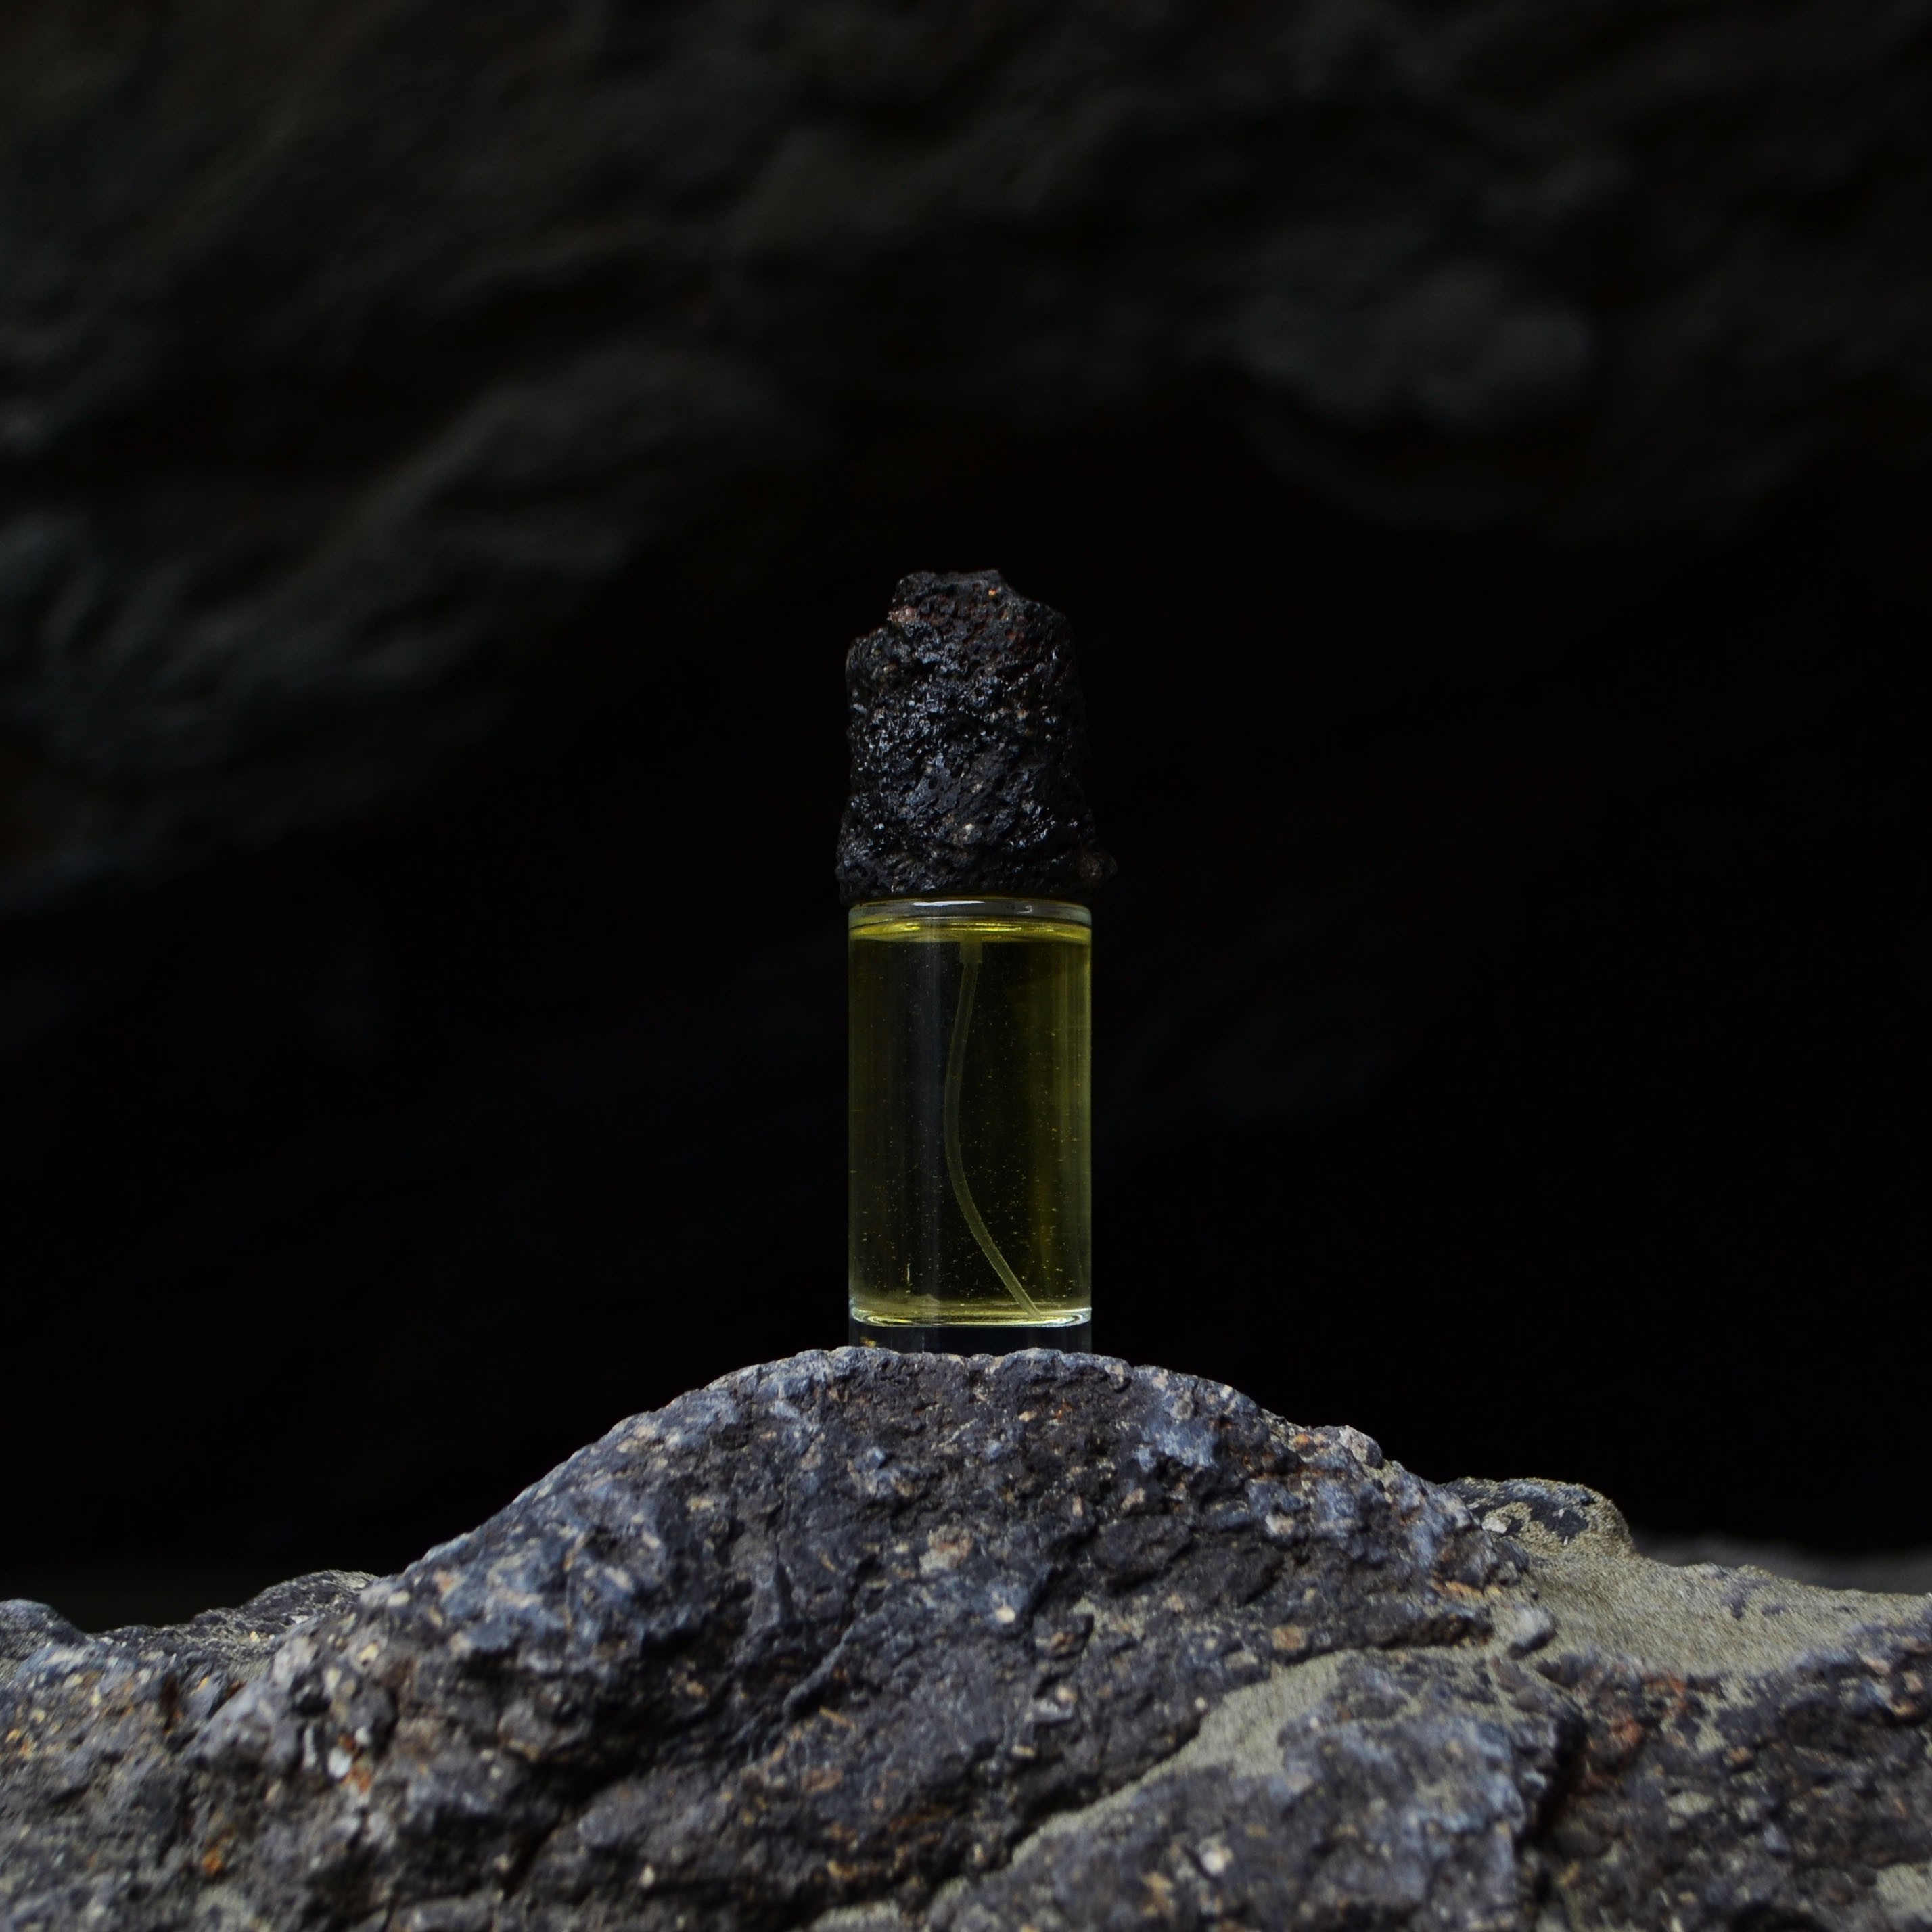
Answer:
(971, 1150)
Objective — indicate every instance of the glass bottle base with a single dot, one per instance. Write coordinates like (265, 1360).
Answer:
(959, 1338)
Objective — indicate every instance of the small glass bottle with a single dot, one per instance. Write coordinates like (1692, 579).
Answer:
(971, 1154)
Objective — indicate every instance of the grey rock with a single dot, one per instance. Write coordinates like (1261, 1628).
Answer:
(342, 368)
(968, 732)
(26, 1627)
(887, 1640)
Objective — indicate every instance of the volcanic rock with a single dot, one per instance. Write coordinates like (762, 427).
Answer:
(968, 731)
(1041, 1640)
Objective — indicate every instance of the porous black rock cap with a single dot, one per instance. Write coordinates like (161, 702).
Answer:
(968, 732)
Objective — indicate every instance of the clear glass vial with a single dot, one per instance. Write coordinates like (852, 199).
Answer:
(971, 1148)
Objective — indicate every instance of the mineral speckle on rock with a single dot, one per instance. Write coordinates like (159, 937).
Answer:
(968, 733)
(1043, 1639)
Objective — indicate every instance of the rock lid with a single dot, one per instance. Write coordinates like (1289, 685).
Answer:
(968, 732)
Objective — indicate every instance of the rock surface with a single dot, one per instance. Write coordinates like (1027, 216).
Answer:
(344, 363)
(1042, 1640)
(968, 732)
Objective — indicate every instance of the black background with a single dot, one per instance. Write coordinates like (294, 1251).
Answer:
(1508, 1017)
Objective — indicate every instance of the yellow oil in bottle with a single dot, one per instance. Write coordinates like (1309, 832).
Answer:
(971, 1181)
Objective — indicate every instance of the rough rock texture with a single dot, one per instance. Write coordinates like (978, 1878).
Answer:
(968, 732)
(1042, 1640)
(345, 354)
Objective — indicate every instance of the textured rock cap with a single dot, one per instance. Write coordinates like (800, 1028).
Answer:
(968, 732)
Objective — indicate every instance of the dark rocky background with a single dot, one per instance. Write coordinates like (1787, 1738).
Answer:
(443, 452)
